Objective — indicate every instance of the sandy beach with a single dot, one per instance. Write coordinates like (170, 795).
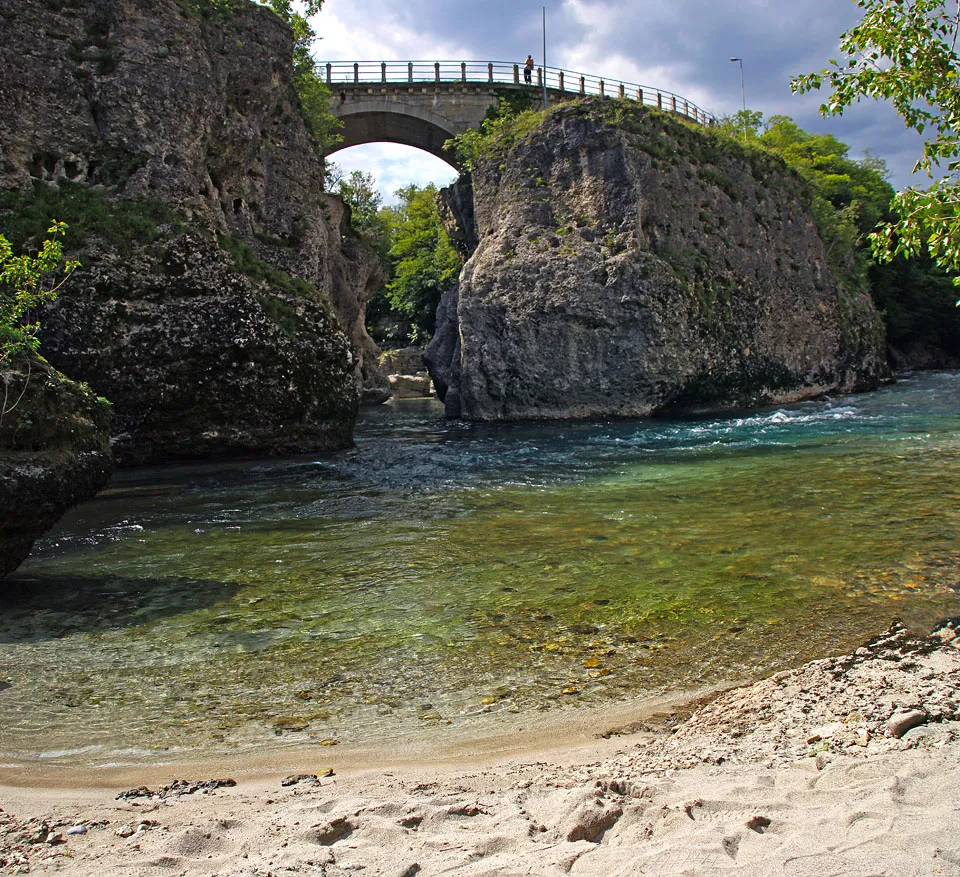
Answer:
(845, 766)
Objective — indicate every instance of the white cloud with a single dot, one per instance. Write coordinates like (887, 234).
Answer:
(394, 166)
(352, 31)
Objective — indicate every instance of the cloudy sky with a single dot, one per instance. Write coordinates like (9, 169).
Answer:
(683, 46)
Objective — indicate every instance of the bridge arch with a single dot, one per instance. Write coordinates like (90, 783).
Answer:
(378, 121)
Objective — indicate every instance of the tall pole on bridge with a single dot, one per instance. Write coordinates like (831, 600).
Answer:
(544, 78)
(743, 97)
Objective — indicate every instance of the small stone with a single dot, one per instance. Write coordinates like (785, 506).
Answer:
(900, 722)
(125, 831)
(758, 823)
(77, 829)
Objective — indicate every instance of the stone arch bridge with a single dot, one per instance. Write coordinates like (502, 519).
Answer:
(424, 103)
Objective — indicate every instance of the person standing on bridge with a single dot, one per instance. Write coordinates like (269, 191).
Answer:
(528, 70)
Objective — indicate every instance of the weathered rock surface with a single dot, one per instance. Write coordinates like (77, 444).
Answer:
(51, 460)
(402, 361)
(152, 102)
(628, 269)
(198, 360)
(410, 386)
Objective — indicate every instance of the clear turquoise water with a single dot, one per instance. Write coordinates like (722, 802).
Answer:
(447, 572)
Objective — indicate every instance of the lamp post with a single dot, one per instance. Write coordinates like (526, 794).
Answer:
(743, 97)
(544, 83)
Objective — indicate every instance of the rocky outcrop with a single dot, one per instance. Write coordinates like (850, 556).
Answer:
(627, 264)
(155, 102)
(200, 360)
(54, 453)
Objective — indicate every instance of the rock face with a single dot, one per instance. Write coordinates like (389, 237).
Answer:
(51, 460)
(199, 360)
(152, 101)
(639, 267)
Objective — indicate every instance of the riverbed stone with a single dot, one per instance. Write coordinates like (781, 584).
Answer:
(902, 721)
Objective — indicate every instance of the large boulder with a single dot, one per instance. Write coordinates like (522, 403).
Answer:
(200, 360)
(54, 452)
(628, 264)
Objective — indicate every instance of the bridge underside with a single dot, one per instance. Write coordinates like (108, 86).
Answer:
(368, 123)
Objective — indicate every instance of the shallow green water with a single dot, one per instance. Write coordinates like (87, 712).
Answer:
(440, 572)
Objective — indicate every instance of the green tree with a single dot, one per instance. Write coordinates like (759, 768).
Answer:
(857, 191)
(423, 262)
(371, 222)
(743, 124)
(26, 282)
(359, 192)
(904, 51)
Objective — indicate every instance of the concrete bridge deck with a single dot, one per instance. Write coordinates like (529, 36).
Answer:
(424, 103)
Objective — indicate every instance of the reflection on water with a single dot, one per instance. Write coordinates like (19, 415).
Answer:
(438, 572)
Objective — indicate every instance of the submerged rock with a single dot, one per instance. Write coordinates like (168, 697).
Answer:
(628, 268)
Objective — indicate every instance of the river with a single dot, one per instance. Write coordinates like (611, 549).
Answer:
(443, 574)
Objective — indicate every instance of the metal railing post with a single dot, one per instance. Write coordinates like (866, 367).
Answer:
(664, 100)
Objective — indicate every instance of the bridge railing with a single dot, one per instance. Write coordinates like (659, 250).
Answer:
(559, 82)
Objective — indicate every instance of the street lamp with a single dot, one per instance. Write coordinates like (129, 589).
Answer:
(743, 97)
(544, 82)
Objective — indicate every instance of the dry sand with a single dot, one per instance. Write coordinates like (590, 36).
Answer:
(846, 766)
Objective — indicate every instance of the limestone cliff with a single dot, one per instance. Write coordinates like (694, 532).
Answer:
(148, 101)
(54, 453)
(628, 264)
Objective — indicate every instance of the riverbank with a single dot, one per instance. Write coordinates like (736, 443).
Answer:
(846, 765)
